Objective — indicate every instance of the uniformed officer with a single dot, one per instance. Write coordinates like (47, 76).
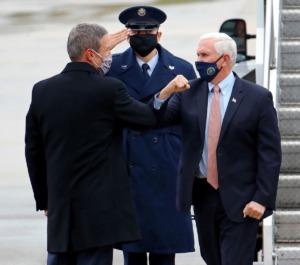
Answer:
(146, 67)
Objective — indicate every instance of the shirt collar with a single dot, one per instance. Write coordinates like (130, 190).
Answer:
(224, 85)
(152, 63)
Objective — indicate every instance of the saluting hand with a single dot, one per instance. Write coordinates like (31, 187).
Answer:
(118, 37)
(178, 84)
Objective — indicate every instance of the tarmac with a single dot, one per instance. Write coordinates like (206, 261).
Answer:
(23, 232)
(33, 38)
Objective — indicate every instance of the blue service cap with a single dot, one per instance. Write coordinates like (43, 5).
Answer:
(142, 17)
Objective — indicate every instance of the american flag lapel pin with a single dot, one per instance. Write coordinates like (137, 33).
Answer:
(233, 100)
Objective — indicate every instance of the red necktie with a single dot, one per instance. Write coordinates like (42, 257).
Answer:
(214, 128)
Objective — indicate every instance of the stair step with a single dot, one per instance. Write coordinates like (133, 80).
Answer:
(289, 120)
(290, 3)
(290, 46)
(290, 22)
(290, 14)
(286, 225)
(290, 54)
(289, 113)
(288, 194)
(290, 78)
(289, 87)
(288, 254)
(290, 156)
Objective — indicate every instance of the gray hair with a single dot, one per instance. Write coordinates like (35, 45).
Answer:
(223, 44)
(82, 37)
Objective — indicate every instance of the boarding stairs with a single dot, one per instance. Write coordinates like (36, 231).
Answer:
(286, 219)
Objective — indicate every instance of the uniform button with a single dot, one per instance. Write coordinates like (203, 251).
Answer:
(131, 165)
(155, 140)
(154, 168)
(133, 137)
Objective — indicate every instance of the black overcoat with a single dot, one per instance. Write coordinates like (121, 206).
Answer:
(75, 160)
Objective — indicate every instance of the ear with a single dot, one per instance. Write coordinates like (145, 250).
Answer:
(227, 58)
(89, 55)
(159, 34)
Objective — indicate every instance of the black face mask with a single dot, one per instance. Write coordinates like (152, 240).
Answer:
(143, 44)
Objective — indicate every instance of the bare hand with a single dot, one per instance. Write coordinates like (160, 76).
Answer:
(178, 84)
(118, 37)
(254, 210)
(46, 212)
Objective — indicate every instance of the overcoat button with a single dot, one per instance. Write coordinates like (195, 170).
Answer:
(154, 168)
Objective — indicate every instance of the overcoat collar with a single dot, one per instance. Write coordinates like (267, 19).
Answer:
(79, 66)
(128, 69)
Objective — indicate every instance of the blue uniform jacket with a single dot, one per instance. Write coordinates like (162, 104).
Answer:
(153, 158)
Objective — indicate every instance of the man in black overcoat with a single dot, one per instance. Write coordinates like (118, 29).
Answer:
(74, 152)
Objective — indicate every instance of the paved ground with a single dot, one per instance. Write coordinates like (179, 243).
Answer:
(32, 47)
(23, 232)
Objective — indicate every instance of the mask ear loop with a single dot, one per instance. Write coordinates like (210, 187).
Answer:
(95, 64)
(99, 56)
(219, 58)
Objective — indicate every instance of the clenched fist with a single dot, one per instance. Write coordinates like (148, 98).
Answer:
(178, 84)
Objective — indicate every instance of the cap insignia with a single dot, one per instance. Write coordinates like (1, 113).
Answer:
(141, 12)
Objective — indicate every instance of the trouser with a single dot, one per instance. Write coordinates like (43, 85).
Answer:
(222, 241)
(95, 256)
(140, 258)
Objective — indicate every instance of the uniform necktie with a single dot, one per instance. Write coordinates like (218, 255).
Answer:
(145, 67)
(214, 128)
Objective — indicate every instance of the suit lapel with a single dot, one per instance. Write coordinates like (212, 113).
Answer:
(129, 72)
(136, 87)
(160, 77)
(128, 69)
(202, 96)
(233, 104)
(163, 73)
